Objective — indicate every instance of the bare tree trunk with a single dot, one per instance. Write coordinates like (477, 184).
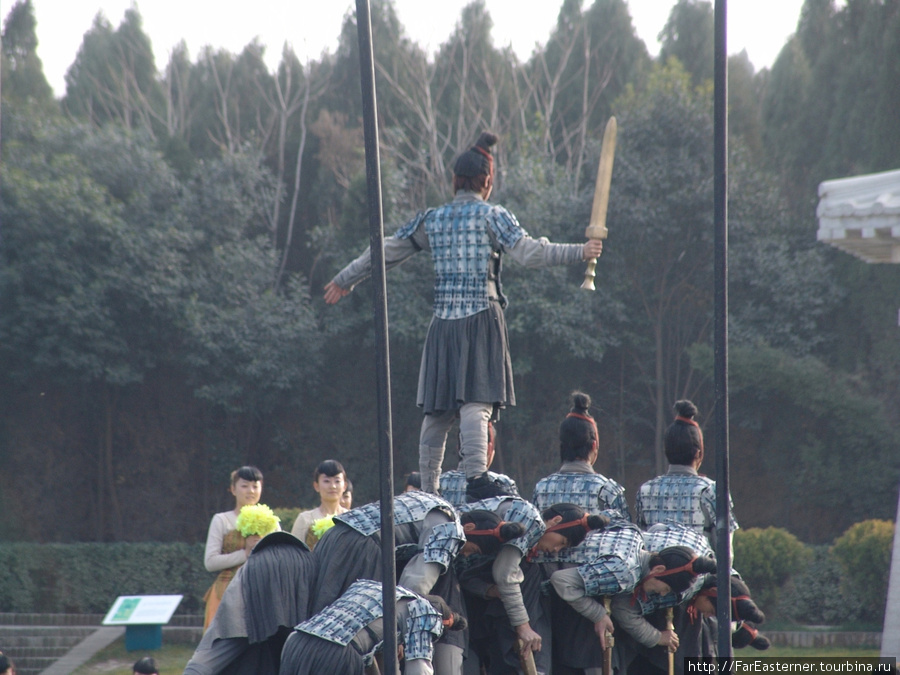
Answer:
(229, 144)
(293, 214)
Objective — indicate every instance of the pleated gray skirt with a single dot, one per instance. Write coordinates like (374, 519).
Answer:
(306, 654)
(466, 361)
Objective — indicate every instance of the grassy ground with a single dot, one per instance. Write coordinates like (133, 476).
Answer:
(778, 652)
(115, 660)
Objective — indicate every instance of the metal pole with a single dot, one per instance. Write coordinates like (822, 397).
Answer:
(723, 501)
(382, 355)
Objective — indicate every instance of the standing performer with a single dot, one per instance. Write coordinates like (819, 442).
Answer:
(466, 367)
(226, 549)
(682, 496)
(576, 482)
(345, 637)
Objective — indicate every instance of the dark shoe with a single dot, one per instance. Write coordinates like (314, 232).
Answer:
(484, 487)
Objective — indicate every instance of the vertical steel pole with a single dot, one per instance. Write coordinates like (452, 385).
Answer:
(382, 355)
(723, 521)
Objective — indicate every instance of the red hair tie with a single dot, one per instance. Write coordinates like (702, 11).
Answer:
(687, 567)
(487, 533)
(583, 521)
(586, 418)
(488, 155)
(687, 420)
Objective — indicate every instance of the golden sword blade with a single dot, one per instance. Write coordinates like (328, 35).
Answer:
(597, 228)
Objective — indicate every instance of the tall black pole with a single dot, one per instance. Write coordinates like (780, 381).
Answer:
(382, 355)
(723, 501)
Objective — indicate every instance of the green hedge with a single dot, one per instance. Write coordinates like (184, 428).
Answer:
(87, 578)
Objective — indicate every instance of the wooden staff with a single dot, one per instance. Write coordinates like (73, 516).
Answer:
(526, 659)
(670, 625)
(597, 228)
(610, 642)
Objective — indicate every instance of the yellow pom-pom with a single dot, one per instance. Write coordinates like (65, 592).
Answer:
(322, 525)
(256, 519)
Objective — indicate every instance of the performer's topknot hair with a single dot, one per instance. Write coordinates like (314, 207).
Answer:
(488, 520)
(683, 440)
(674, 557)
(581, 402)
(578, 431)
(477, 160)
(685, 408)
(487, 140)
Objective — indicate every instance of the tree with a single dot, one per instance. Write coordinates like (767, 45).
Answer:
(87, 282)
(688, 37)
(122, 287)
(114, 77)
(574, 79)
(22, 72)
(662, 258)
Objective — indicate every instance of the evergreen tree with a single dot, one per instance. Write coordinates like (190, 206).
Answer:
(22, 72)
(114, 77)
(689, 37)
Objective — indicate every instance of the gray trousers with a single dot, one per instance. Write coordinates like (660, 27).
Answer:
(473, 435)
(448, 659)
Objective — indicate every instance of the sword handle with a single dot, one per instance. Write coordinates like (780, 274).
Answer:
(589, 274)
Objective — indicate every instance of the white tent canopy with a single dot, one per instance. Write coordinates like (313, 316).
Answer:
(861, 215)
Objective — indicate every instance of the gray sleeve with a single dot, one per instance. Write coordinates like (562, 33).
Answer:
(508, 577)
(395, 252)
(544, 253)
(569, 586)
(214, 559)
(628, 617)
(420, 576)
(302, 524)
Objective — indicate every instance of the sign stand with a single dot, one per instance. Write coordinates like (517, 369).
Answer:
(143, 617)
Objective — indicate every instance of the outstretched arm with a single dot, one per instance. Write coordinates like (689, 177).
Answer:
(542, 252)
(395, 252)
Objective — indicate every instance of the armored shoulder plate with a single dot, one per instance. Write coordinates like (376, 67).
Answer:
(409, 507)
(360, 605)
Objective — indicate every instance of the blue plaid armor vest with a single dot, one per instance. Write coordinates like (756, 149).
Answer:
(615, 565)
(361, 604)
(519, 511)
(593, 492)
(462, 250)
(409, 507)
(679, 498)
(453, 486)
(444, 541)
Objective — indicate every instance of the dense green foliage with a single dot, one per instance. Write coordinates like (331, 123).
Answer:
(844, 583)
(166, 236)
(864, 555)
(87, 578)
(766, 559)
